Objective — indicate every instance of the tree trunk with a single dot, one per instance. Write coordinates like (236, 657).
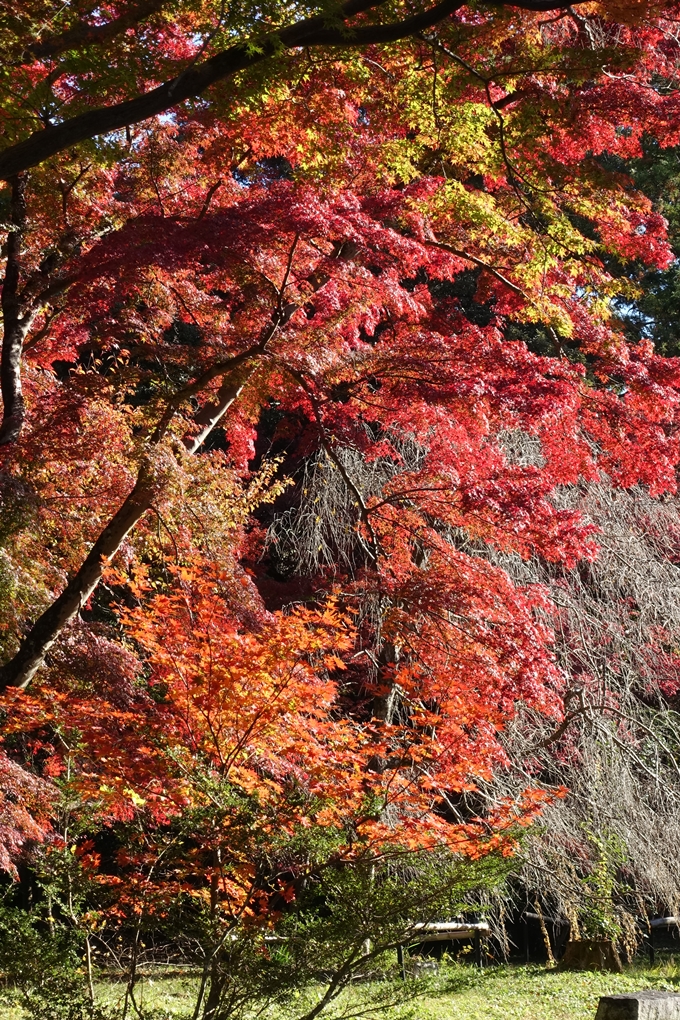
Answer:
(22, 668)
(212, 1002)
(591, 954)
(211, 415)
(13, 329)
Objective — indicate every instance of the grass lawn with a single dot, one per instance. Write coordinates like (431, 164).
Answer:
(457, 993)
(534, 993)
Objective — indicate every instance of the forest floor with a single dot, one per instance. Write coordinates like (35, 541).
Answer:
(458, 993)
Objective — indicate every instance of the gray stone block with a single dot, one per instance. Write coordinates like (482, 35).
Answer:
(418, 968)
(648, 1005)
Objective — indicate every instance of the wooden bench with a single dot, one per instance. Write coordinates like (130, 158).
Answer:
(445, 931)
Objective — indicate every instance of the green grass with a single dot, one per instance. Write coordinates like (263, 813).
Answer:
(457, 993)
(174, 995)
(534, 993)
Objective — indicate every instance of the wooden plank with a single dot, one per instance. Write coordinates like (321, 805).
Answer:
(452, 926)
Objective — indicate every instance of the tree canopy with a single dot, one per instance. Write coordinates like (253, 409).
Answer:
(283, 285)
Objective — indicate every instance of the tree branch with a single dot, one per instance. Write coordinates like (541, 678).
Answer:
(83, 34)
(211, 414)
(194, 80)
(459, 253)
(22, 668)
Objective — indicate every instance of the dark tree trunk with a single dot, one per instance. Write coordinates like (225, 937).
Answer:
(22, 668)
(591, 954)
(214, 996)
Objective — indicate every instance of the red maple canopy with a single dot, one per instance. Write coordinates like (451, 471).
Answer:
(385, 239)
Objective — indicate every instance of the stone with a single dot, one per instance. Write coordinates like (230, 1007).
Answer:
(648, 1005)
(416, 967)
(591, 954)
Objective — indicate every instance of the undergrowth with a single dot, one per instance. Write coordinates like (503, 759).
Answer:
(458, 992)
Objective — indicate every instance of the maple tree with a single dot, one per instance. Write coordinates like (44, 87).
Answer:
(380, 243)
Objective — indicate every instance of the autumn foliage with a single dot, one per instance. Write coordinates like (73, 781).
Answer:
(277, 297)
